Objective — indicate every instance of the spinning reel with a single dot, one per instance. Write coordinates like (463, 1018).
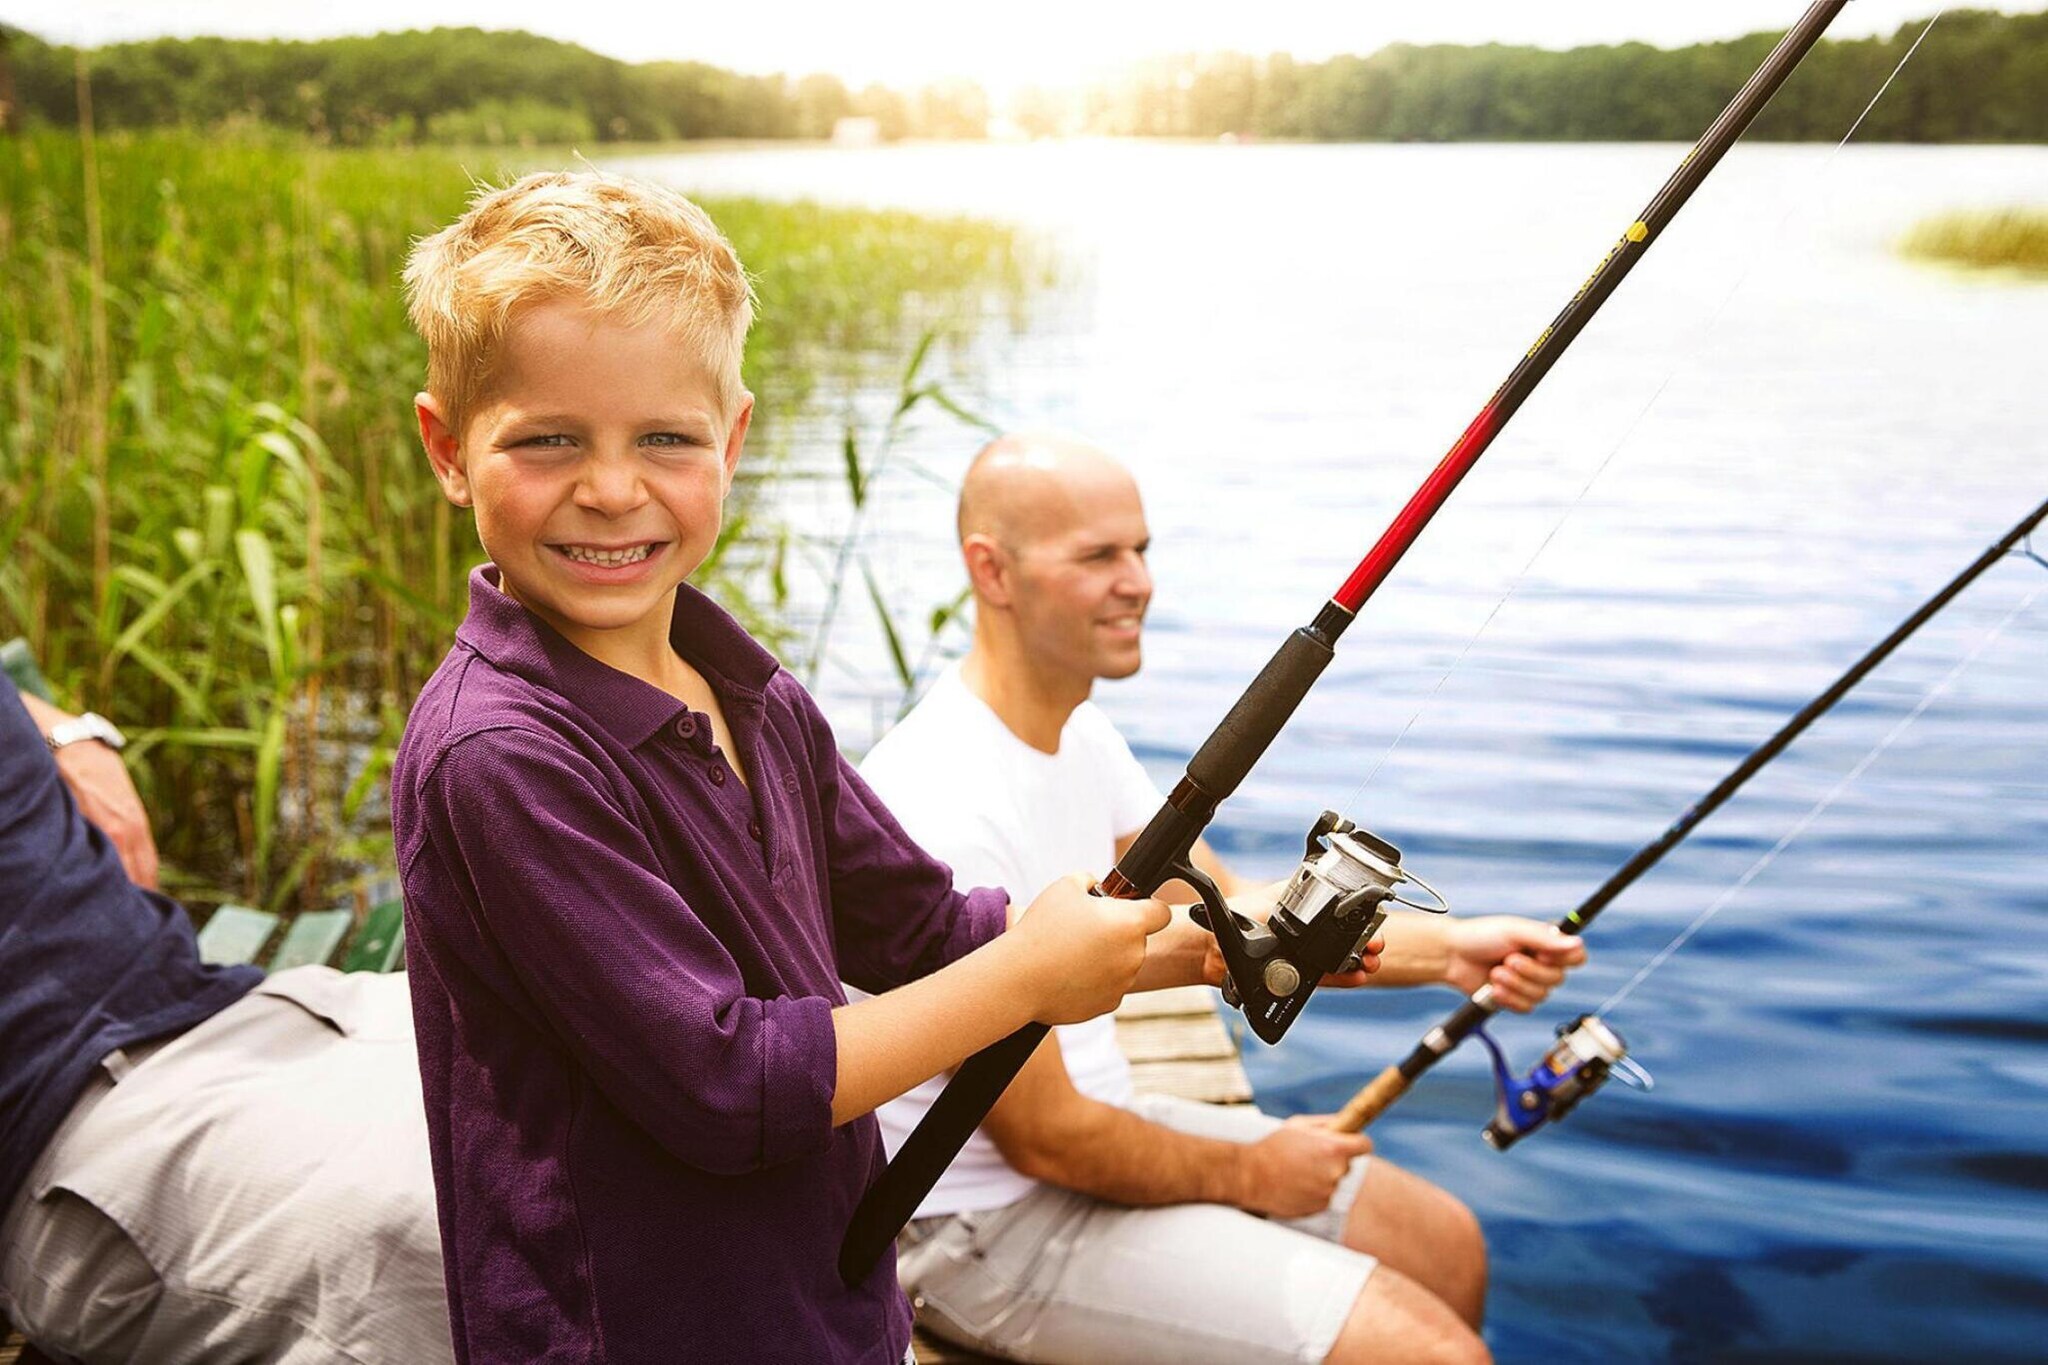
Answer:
(1585, 1054)
(1333, 905)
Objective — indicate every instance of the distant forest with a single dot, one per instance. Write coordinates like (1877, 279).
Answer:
(1981, 77)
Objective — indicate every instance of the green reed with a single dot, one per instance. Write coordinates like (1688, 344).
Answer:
(2010, 238)
(218, 526)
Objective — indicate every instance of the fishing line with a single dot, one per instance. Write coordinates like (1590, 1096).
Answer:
(1689, 353)
(1756, 868)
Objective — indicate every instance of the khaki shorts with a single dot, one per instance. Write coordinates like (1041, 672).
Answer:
(1066, 1279)
(255, 1189)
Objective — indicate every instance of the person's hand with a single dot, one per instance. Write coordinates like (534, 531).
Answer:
(1293, 1171)
(1522, 959)
(106, 796)
(1081, 952)
(1259, 904)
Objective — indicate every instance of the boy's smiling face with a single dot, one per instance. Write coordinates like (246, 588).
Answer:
(597, 462)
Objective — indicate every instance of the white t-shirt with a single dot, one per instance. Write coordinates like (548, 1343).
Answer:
(1001, 813)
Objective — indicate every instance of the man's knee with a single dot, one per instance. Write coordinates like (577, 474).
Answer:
(1396, 1321)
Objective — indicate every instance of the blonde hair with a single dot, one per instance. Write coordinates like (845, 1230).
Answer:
(631, 250)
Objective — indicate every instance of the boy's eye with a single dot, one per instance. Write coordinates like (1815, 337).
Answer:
(549, 440)
(673, 438)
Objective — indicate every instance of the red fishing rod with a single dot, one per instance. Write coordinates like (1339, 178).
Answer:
(1271, 999)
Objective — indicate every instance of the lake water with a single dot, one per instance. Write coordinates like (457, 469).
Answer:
(1786, 437)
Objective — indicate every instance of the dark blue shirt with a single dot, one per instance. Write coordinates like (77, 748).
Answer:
(89, 961)
(624, 963)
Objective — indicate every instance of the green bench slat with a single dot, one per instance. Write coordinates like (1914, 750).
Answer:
(235, 934)
(20, 665)
(380, 943)
(312, 938)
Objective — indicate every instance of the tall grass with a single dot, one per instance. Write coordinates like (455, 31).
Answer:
(218, 528)
(2011, 238)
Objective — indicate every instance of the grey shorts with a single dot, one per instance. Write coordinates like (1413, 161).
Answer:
(256, 1189)
(1066, 1279)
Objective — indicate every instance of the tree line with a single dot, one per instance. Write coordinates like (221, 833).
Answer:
(1982, 77)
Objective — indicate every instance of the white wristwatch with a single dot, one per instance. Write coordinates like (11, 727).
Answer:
(91, 725)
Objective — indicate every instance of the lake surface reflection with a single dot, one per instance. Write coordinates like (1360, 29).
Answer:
(1786, 437)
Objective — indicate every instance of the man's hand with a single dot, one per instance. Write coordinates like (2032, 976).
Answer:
(1259, 904)
(1522, 959)
(1293, 1171)
(105, 794)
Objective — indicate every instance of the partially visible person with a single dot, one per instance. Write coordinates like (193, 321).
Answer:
(1085, 1222)
(196, 1163)
(636, 868)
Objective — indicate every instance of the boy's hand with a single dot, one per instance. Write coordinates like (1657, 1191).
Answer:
(1293, 1171)
(1080, 951)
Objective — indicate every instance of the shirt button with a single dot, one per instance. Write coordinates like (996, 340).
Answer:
(718, 777)
(754, 828)
(686, 727)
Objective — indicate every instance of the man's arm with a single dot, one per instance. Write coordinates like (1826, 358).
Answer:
(1050, 1131)
(106, 795)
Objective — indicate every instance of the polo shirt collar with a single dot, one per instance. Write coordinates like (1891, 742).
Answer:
(631, 711)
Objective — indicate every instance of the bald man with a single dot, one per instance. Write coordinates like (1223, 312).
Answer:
(1085, 1222)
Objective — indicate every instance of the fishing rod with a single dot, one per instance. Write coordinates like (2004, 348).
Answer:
(1273, 968)
(1587, 1049)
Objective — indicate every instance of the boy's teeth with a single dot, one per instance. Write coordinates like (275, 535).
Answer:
(608, 558)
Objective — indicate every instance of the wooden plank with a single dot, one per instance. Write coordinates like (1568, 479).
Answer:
(1172, 1000)
(235, 934)
(1218, 1082)
(311, 939)
(1171, 1039)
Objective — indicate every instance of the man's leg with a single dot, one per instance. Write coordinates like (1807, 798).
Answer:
(1424, 1232)
(1396, 1320)
(1398, 1218)
(270, 1165)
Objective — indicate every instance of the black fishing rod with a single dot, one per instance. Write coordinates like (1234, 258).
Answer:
(1586, 1040)
(1272, 970)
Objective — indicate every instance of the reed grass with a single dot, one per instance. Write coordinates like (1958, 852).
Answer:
(219, 528)
(2008, 238)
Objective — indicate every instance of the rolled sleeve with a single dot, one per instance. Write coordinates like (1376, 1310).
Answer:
(566, 891)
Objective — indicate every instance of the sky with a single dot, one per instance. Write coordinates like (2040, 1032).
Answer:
(911, 42)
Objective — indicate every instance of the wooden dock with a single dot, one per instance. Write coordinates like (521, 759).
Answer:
(1178, 1046)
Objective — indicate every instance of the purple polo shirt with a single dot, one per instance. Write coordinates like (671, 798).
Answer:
(624, 963)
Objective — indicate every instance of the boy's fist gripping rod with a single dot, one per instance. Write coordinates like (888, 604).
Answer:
(1161, 851)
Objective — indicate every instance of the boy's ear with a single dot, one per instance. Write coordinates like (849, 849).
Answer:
(737, 438)
(444, 448)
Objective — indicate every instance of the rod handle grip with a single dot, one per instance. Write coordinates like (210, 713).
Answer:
(1374, 1099)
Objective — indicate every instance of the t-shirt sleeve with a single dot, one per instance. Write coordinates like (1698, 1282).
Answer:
(564, 883)
(895, 907)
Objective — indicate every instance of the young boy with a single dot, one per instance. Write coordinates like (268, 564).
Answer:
(636, 868)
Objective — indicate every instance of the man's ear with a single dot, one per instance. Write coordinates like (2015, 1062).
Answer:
(988, 568)
(737, 438)
(444, 448)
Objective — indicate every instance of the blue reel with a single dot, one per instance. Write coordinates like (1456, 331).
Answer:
(1585, 1054)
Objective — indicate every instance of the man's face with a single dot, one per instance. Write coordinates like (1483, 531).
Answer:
(1081, 584)
(598, 467)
